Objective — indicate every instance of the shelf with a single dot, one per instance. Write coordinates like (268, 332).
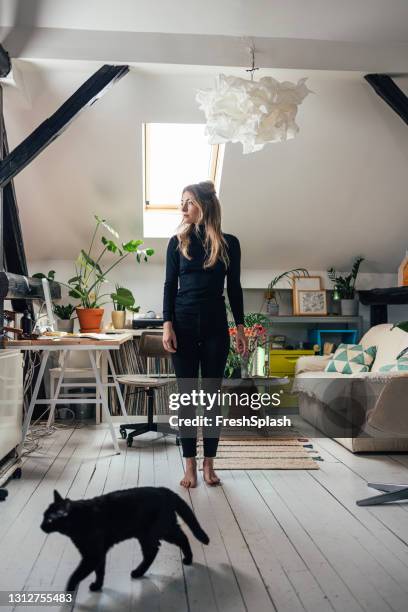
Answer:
(279, 289)
(311, 319)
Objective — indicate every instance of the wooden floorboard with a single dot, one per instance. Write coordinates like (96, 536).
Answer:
(285, 541)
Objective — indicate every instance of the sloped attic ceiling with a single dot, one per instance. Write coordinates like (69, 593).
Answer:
(337, 190)
(350, 20)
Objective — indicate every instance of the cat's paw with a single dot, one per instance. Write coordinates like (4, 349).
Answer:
(94, 586)
(136, 573)
(188, 560)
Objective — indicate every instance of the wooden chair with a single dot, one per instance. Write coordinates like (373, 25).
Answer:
(151, 345)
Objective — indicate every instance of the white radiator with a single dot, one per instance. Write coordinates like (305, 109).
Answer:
(11, 401)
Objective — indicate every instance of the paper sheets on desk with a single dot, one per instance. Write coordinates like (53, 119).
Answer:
(90, 336)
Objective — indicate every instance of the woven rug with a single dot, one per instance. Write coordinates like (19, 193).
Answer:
(264, 453)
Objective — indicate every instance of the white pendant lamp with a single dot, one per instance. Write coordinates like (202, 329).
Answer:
(251, 112)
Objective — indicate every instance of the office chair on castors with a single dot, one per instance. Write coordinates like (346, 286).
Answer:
(150, 346)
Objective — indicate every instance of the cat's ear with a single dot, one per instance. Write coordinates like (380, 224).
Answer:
(57, 496)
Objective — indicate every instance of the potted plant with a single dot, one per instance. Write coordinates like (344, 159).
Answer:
(272, 305)
(122, 300)
(91, 273)
(344, 288)
(64, 313)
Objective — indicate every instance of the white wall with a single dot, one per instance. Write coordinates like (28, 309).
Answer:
(146, 283)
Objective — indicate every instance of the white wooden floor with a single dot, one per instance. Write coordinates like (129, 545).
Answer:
(280, 540)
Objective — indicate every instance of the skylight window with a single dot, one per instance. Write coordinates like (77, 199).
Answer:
(176, 155)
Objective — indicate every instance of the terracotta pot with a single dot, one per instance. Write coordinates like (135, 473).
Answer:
(90, 319)
(118, 318)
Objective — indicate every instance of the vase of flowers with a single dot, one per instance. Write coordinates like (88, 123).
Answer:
(255, 333)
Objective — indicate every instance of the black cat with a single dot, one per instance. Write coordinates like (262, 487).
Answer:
(95, 525)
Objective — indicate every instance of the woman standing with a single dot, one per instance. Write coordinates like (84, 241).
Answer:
(195, 320)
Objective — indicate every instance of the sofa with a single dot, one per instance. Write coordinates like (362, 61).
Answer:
(365, 412)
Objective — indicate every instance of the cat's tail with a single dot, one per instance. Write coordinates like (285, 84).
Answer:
(185, 512)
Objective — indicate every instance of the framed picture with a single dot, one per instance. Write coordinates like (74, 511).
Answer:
(304, 283)
(312, 302)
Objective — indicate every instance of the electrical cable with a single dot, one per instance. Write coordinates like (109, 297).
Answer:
(38, 430)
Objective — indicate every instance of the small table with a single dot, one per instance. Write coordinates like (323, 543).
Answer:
(65, 345)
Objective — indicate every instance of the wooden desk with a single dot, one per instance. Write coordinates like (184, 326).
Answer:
(65, 345)
(70, 341)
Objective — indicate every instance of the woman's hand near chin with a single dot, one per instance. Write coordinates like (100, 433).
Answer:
(241, 341)
(169, 337)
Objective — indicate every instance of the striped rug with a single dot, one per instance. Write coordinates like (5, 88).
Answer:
(263, 453)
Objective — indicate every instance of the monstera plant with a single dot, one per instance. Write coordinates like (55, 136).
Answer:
(92, 269)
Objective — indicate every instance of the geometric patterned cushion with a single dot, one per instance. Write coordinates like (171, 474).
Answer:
(399, 365)
(351, 358)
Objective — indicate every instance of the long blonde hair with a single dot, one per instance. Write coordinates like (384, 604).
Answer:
(209, 207)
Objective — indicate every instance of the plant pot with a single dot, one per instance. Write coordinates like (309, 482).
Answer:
(90, 319)
(349, 308)
(272, 308)
(119, 319)
(66, 325)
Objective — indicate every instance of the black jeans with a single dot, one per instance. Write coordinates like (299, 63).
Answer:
(202, 345)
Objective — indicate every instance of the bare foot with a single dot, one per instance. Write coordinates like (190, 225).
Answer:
(209, 474)
(190, 475)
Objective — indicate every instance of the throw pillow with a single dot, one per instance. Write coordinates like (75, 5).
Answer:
(351, 358)
(399, 365)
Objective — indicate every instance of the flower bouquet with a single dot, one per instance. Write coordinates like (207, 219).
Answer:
(256, 336)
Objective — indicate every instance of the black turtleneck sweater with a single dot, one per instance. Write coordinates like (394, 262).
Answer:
(190, 286)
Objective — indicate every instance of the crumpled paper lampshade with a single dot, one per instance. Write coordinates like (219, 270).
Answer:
(251, 112)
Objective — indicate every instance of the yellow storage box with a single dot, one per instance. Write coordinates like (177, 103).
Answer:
(282, 362)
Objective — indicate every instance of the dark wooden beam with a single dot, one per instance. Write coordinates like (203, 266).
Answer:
(387, 295)
(385, 87)
(52, 127)
(5, 63)
(17, 287)
(13, 243)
